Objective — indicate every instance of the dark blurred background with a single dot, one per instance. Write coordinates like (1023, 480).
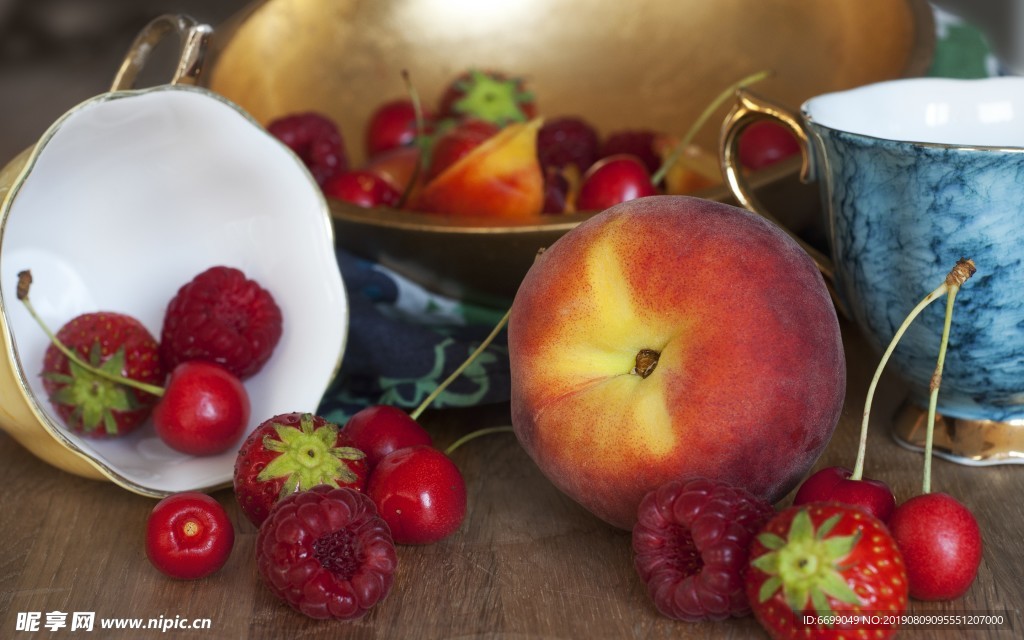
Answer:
(57, 53)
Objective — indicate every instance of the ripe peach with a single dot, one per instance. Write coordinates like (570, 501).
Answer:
(501, 178)
(668, 337)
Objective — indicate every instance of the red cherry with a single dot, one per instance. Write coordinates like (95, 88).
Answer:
(941, 545)
(640, 143)
(188, 536)
(458, 142)
(392, 125)
(363, 188)
(764, 143)
(833, 484)
(420, 494)
(380, 429)
(204, 409)
(612, 180)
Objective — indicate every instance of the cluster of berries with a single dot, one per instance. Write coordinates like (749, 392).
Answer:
(330, 504)
(708, 551)
(105, 373)
(558, 165)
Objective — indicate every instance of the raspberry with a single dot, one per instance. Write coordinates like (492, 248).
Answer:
(565, 141)
(316, 140)
(327, 553)
(221, 317)
(639, 143)
(692, 542)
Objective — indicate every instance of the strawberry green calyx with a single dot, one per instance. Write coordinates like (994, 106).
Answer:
(807, 565)
(95, 398)
(308, 457)
(92, 367)
(495, 99)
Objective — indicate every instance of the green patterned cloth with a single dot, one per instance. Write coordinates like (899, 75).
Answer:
(404, 341)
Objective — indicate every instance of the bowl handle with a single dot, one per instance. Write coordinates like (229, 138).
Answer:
(193, 36)
(748, 109)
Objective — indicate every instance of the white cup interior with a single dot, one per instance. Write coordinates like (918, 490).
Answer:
(983, 113)
(131, 195)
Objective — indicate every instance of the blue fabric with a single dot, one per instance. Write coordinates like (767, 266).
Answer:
(403, 341)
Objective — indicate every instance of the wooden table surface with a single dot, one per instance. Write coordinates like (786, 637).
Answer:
(527, 562)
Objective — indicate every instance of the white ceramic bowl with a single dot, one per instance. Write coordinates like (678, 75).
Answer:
(126, 198)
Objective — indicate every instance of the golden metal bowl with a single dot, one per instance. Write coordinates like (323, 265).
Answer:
(649, 63)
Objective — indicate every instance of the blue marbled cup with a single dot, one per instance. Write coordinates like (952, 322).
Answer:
(915, 174)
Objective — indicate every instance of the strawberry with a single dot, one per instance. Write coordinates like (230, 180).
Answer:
(488, 95)
(294, 452)
(826, 559)
(118, 345)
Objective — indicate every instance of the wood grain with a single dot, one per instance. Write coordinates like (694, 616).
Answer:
(527, 562)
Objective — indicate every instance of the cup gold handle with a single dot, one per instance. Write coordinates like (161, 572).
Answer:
(748, 109)
(193, 37)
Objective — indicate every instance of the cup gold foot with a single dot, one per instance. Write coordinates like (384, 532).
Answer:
(968, 442)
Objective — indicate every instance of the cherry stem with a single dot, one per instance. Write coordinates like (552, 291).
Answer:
(858, 469)
(958, 275)
(462, 367)
(936, 381)
(24, 283)
(473, 436)
(421, 126)
(680, 148)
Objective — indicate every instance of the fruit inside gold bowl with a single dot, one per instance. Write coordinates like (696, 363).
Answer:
(650, 65)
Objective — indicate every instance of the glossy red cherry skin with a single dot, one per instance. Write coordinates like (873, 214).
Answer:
(204, 410)
(941, 545)
(189, 536)
(380, 429)
(764, 143)
(833, 484)
(611, 180)
(392, 125)
(420, 493)
(363, 188)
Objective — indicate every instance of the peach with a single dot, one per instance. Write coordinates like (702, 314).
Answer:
(501, 178)
(669, 337)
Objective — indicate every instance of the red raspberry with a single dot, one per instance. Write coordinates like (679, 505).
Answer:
(316, 140)
(565, 141)
(327, 553)
(639, 143)
(692, 542)
(221, 317)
